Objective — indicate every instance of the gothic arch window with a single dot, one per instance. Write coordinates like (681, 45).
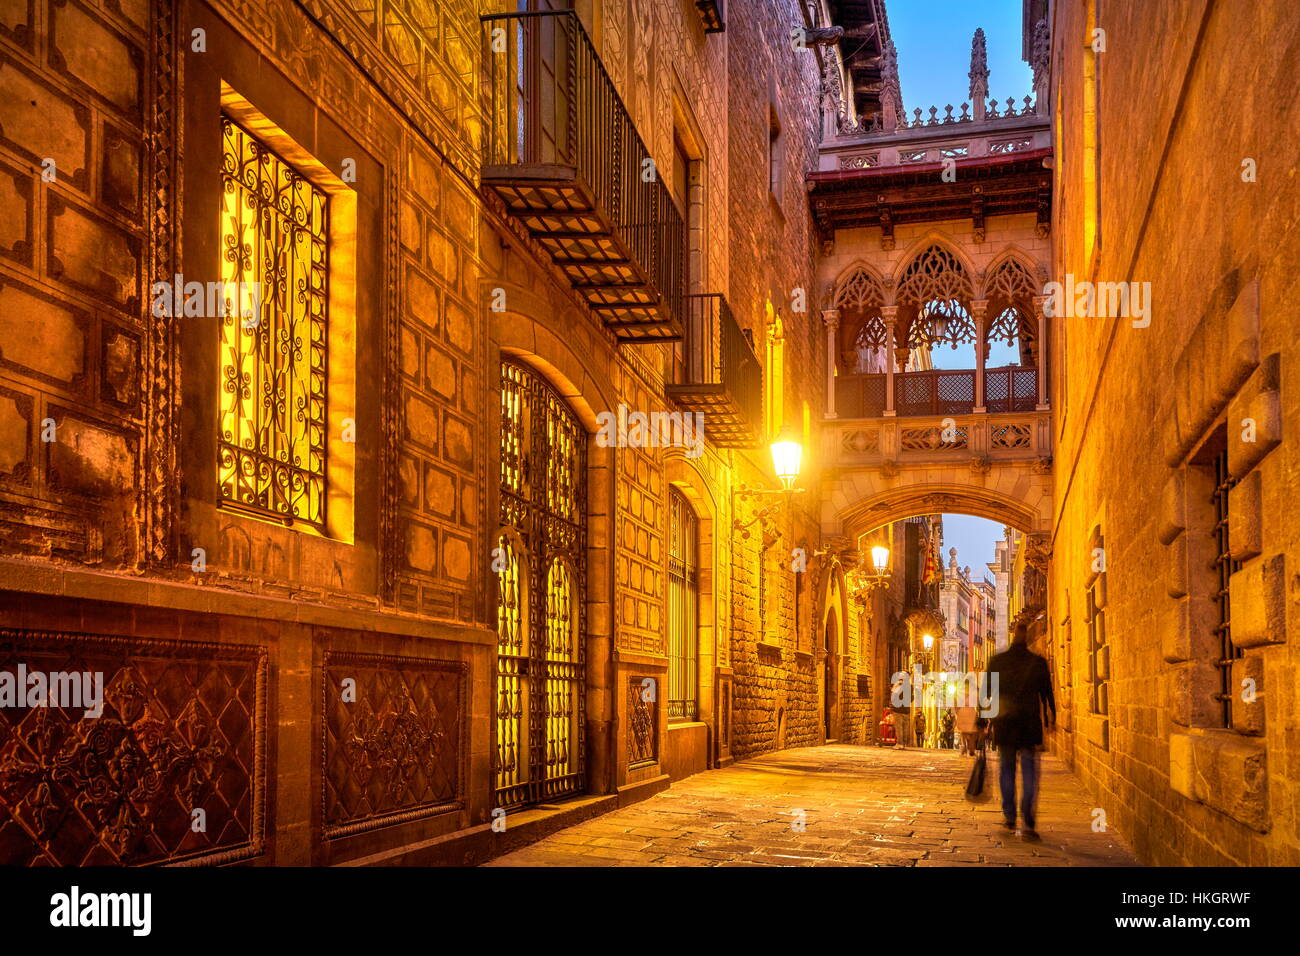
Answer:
(862, 328)
(934, 295)
(1010, 291)
(869, 346)
(860, 290)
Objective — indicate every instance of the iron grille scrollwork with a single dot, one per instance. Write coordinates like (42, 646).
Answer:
(541, 634)
(272, 441)
(642, 742)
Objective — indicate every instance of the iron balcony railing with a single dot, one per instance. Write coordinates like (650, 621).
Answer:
(551, 103)
(718, 369)
(937, 392)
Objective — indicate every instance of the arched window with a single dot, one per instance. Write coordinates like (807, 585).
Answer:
(1010, 291)
(934, 296)
(1011, 342)
(863, 336)
(540, 562)
(683, 609)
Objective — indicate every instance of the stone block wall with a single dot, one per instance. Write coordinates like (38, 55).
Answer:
(74, 254)
(1144, 410)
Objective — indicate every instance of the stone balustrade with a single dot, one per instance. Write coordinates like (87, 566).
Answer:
(985, 439)
(935, 144)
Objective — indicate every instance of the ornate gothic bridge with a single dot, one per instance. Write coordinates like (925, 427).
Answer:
(935, 254)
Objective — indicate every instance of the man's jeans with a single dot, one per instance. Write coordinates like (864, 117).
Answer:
(1029, 783)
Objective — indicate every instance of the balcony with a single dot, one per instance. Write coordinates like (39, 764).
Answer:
(719, 374)
(937, 392)
(562, 154)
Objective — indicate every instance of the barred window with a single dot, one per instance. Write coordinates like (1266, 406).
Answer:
(274, 241)
(1098, 656)
(1224, 566)
(683, 609)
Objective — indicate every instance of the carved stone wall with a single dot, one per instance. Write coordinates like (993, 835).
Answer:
(183, 732)
(395, 740)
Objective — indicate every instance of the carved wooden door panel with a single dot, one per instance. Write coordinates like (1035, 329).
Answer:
(540, 564)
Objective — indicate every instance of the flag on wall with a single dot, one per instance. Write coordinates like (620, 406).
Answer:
(931, 570)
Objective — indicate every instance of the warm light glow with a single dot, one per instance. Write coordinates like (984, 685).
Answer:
(880, 559)
(271, 450)
(785, 461)
(927, 640)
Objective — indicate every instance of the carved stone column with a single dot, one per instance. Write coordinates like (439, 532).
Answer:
(979, 312)
(1041, 61)
(890, 314)
(1042, 337)
(831, 318)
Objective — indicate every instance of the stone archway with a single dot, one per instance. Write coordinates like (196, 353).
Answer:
(858, 502)
(831, 649)
(830, 676)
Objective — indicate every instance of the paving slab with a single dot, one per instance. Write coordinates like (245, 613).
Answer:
(837, 805)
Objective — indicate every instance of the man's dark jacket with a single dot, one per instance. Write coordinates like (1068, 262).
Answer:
(1024, 690)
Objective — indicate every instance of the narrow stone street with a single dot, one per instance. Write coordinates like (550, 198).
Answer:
(861, 806)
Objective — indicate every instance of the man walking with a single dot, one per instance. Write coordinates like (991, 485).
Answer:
(1024, 691)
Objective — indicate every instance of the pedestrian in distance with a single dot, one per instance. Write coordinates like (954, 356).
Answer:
(1024, 702)
(968, 726)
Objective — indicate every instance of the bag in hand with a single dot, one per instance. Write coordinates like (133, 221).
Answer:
(975, 785)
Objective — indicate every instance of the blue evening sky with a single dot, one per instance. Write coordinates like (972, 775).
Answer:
(973, 538)
(933, 42)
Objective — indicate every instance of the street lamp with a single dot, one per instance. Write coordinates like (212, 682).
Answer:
(785, 462)
(877, 575)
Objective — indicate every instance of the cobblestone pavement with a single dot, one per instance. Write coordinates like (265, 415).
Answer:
(863, 806)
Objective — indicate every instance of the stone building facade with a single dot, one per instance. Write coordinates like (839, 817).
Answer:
(1172, 596)
(445, 602)
(314, 318)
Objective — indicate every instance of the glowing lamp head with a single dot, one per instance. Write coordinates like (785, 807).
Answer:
(785, 462)
(927, 641)
(880, 559)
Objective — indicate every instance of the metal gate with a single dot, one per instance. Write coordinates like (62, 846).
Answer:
(540, 565)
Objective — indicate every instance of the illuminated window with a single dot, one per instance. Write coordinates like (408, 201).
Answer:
(273, 363)
(683, 609)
